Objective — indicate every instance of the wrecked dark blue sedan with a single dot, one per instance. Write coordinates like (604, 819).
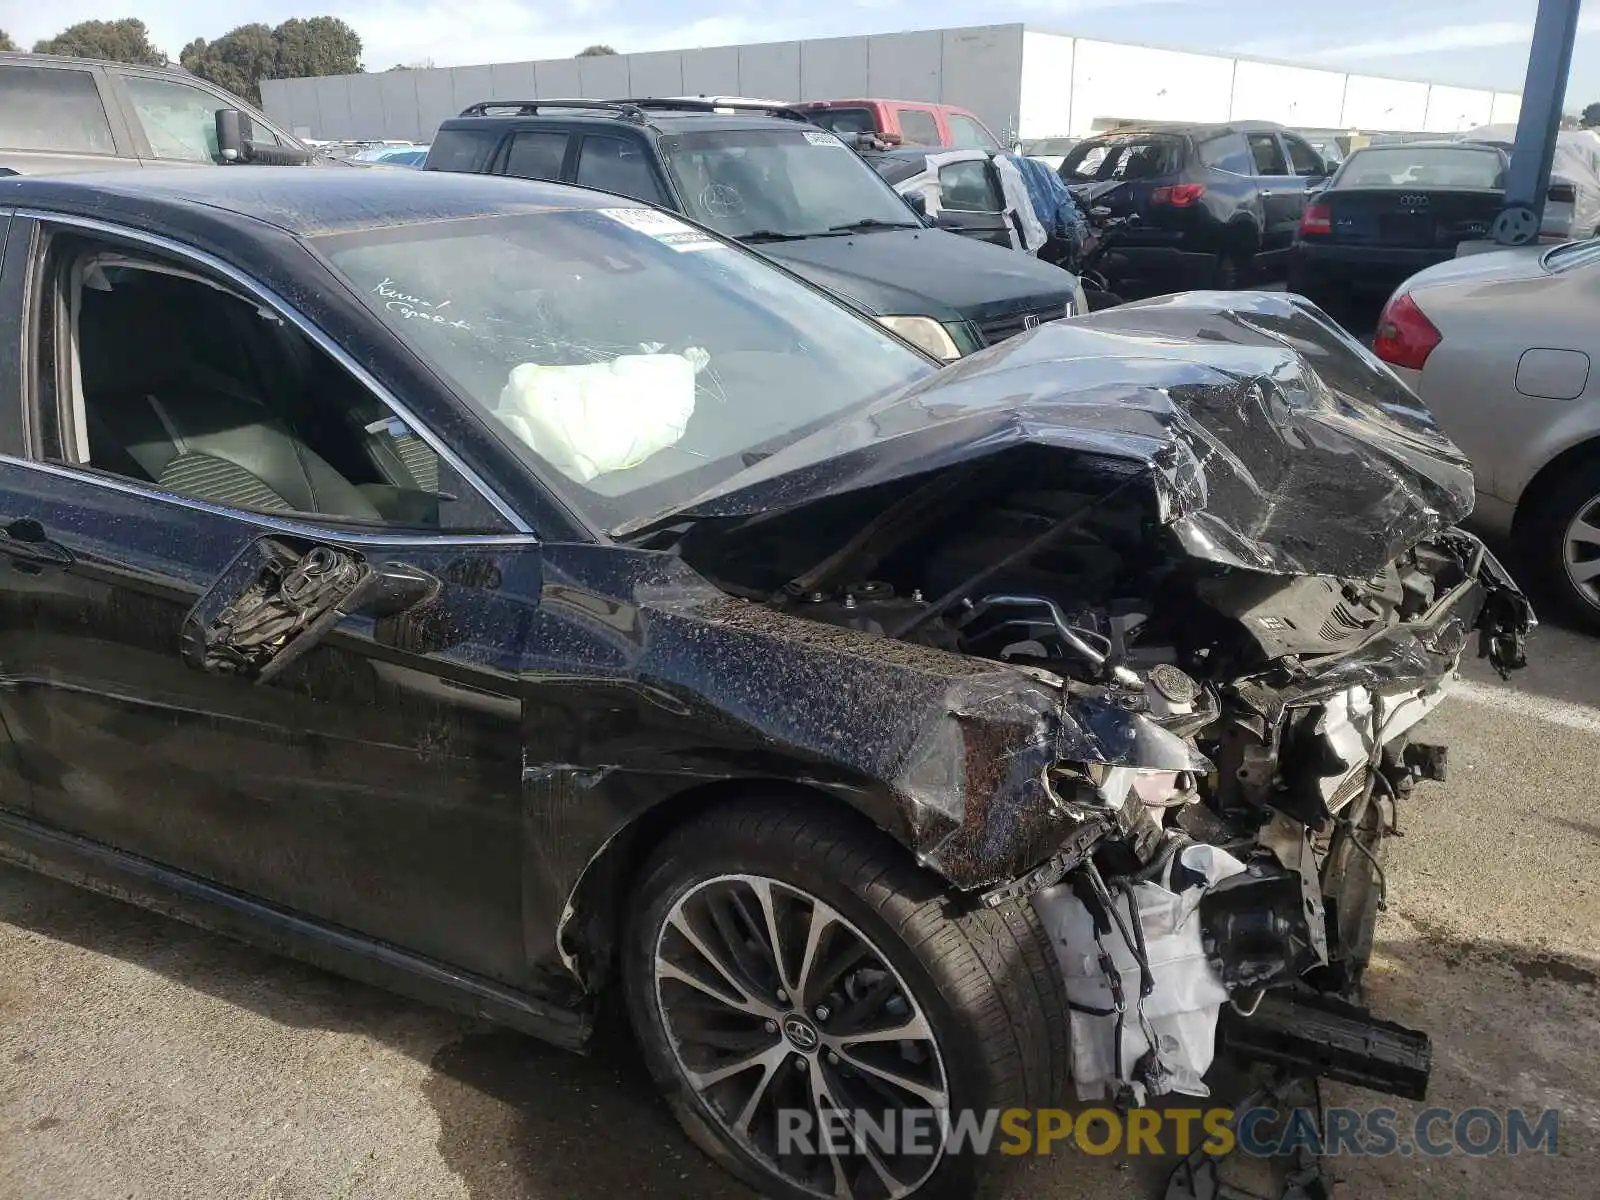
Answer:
(509, 593)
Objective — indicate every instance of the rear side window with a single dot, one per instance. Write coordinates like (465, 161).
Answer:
(536, 155)
(917, 127)
(1267, 154)
(1124, 159)
(845, 120)
(967, 134)
(1303, 160)
(462, 149)
(46, 108)
(968, 187)
(1228, 152)
(616, 165)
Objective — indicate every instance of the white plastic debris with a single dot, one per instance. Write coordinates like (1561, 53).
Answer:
(1181, 1011)
(592, 418)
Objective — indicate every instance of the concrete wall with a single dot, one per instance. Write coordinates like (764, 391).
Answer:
(1021, 82)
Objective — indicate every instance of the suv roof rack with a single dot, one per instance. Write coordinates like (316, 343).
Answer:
(710, 104)
(529, 108)
(636, 109)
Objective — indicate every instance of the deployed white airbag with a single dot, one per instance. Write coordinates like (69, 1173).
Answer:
(592, 418)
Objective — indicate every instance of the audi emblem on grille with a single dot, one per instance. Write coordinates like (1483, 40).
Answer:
(1030, 321)
(1413, 200)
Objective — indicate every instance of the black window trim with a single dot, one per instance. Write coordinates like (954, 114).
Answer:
(124, 140)
(262, 295)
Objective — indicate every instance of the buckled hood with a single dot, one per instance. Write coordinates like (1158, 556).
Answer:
(1272, 440)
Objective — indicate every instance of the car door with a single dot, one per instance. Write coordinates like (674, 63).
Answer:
(1281, 192)
(59, 119)
(16, 796)
(972, 203)
(1308, 167)
(306, 711)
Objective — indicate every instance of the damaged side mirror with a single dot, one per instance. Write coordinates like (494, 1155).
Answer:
(278, 598)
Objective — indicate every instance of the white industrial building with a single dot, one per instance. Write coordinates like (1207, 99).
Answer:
(1022, 81)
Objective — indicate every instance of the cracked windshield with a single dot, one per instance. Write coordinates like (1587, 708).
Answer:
(638, 356)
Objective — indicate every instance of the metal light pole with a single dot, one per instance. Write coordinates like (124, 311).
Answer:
(1549, 59)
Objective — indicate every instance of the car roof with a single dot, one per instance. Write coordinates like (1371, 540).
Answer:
(306, 201)
(21, 58)
(665, 114)
(807, 104)
(1188, 128)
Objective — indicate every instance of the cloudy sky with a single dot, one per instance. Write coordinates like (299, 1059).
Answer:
(1473, 42)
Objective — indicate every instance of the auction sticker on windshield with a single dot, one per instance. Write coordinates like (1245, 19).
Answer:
(664, 228)
(821, 137)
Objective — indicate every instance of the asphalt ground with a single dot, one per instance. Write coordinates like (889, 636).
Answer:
(141, 1059)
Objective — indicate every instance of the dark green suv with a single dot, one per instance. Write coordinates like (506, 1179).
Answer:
(765, 175)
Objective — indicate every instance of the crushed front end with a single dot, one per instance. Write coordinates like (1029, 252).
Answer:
(1222, 543)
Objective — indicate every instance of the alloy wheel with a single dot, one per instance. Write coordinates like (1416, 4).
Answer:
(1580, 551)
(774, 1004)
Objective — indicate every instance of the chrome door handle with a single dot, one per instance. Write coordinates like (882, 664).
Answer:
(1266, 193)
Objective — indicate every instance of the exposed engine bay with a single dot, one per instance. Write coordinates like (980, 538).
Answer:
(1250, 881)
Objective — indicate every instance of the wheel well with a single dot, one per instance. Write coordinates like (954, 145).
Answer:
(1241, 235)
(589, 935)
(1547, 477)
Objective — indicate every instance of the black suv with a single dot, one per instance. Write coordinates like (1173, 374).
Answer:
(1217, 204)
(767, 176)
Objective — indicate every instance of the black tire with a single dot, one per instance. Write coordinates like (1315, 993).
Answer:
(1572, 494)
(986, 981)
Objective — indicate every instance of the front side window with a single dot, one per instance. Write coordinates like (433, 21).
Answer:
(185, 386)
(617, 165)
(47, 108)
(917, 127)
(969, 187)
(630, 358)
(1303, 160)
(179, 121)
(792, 182)
(967, 134)
(534, 154)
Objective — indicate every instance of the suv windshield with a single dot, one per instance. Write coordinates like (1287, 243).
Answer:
(799, 182)
(1426, 166)
(621, 351)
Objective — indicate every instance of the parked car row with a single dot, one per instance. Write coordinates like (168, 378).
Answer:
(773, 180)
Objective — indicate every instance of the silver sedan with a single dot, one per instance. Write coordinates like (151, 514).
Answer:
(1501, 347)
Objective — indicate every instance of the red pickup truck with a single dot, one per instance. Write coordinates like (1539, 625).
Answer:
(913, 122)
